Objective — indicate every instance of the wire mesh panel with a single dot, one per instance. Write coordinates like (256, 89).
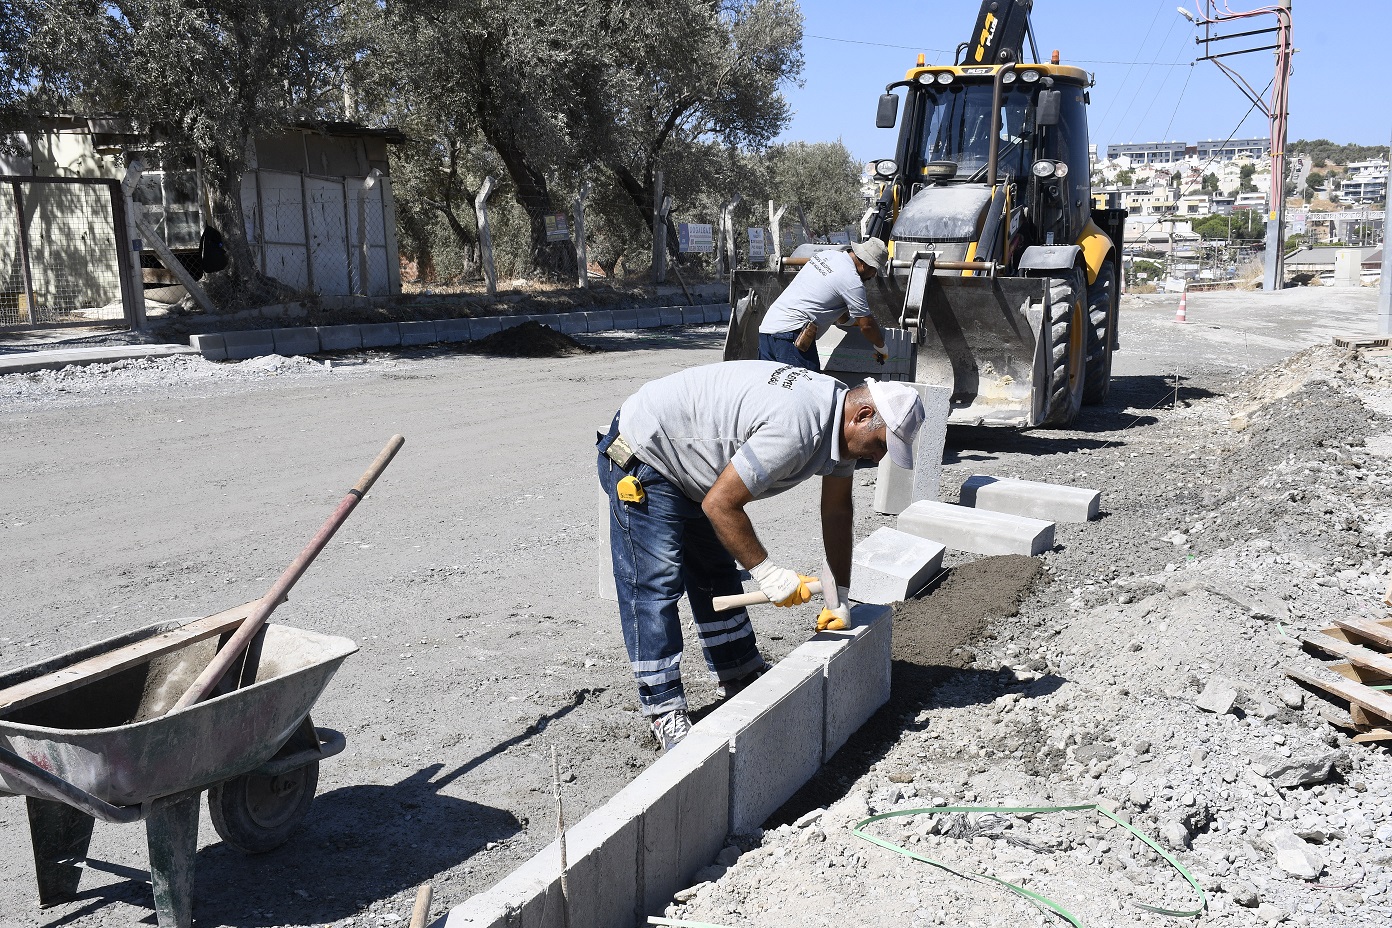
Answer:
(367, 238)
(276, 200)
(328, 235)
(60, 257)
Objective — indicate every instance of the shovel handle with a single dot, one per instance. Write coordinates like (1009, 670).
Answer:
(739, 600)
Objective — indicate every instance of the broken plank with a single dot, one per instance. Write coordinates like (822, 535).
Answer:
(1338, 633)
(104, 665)
(1355, 693)
(1373, 631)
(1363, 658)
(1376, 734)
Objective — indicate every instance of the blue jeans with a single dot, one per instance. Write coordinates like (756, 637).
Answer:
(662, 547)
(780, 348)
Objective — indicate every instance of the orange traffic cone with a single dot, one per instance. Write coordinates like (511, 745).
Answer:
(1179, 315)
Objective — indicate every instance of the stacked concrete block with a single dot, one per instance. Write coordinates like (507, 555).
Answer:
(484, 326)
(1048, 501)
(891, 566)
(601, 854)
(303, 340)
(857, 674)
(453, 330)
(976, 530)
(771, 752)
(211, 347)
(417, 333)
(340, 338)
(380, 335)
(648, 318)
(243, 345)
(599, 320)
(683, 802)
(895, 487)
(625, 318)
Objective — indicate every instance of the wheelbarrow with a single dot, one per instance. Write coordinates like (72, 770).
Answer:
(86, 736)
(137, 726)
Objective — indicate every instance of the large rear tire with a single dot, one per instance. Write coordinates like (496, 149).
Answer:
(1101, 334)
(1067, 349)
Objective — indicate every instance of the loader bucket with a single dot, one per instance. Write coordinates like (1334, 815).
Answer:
(979, 336)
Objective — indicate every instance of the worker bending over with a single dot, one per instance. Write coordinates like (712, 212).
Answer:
(682, 459)
(829, 289)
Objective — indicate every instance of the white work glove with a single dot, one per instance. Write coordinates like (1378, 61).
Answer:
(783, 586)
(838, 619)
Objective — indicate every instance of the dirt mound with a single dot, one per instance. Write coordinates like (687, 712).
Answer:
(529, 340)
(958, 610)
(1280, 380)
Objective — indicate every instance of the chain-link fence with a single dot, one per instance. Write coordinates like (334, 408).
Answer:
(62, 243)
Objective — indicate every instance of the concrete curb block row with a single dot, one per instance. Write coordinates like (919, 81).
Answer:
(238, 346)
(628, 857)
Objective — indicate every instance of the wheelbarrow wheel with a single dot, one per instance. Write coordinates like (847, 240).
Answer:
(256, 813)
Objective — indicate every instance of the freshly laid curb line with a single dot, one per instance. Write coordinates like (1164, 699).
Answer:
(236, 346)
(627, 858)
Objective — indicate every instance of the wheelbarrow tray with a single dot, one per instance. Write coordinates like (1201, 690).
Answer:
(115, 738)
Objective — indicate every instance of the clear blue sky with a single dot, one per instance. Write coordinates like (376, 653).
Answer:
(1339, 90)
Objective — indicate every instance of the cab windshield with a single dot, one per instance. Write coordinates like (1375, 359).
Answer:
(956, 122)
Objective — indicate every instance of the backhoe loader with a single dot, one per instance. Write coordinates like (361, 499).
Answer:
(1003, 276)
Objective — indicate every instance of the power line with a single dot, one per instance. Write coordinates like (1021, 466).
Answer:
(1159, 89)
(1127, 76)
(1170, 124)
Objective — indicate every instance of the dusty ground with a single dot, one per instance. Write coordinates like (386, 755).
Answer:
(150, 491)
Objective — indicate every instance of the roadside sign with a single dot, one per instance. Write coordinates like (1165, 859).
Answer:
(696, 237)
(839, 238)
(557, 227)
(757, 247)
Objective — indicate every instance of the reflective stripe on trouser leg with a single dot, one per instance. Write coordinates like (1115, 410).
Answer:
(727, 638)
(645, 541)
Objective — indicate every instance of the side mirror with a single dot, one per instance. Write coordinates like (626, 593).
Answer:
(888, 112)
(1049, 108)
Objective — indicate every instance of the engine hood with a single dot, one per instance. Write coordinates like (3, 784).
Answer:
(949, 213)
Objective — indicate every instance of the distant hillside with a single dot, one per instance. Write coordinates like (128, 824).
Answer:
(1323, 151)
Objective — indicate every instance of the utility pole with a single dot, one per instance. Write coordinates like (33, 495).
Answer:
(1385, 289)
(1277, 110)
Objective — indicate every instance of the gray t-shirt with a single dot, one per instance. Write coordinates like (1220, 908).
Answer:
(826, 287)
(779, 425)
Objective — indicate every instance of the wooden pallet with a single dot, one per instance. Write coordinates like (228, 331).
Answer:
(1364, 647)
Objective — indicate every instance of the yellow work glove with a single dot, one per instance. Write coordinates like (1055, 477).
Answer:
(783, 586)
(835, 619)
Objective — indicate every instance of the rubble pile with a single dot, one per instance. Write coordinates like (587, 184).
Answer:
(1145, 675)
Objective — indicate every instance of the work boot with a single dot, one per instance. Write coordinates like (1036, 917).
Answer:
(670, 728)
(730, 687)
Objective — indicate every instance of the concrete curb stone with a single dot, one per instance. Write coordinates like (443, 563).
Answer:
(484, 326)
(211, 347)
(601, 320)
(671, 315)
(452, 330)
(418, 333)
(625, 318)
(1051, 502)
(340, 337)
(303, 340)
(243, 345)
(380, 335)
(648, 318)
(978, 531)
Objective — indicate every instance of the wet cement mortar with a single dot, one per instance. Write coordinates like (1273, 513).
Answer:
(1239, 512)
(1082, 685)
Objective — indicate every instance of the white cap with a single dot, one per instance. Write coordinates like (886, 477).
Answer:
(901, 408)
(873, 252)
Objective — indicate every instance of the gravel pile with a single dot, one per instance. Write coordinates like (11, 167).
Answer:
(1142, 673)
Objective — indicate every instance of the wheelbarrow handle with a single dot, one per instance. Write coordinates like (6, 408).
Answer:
(230, 652)
(54, 787)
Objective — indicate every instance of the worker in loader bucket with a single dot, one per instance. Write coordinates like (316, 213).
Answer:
(679, 463)
(829, 289)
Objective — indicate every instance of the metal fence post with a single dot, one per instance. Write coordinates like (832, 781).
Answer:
(659, 252)
(582, 260)
(27, 269)
(490, 274)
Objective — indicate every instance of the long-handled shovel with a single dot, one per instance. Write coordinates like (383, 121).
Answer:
(230, 652)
